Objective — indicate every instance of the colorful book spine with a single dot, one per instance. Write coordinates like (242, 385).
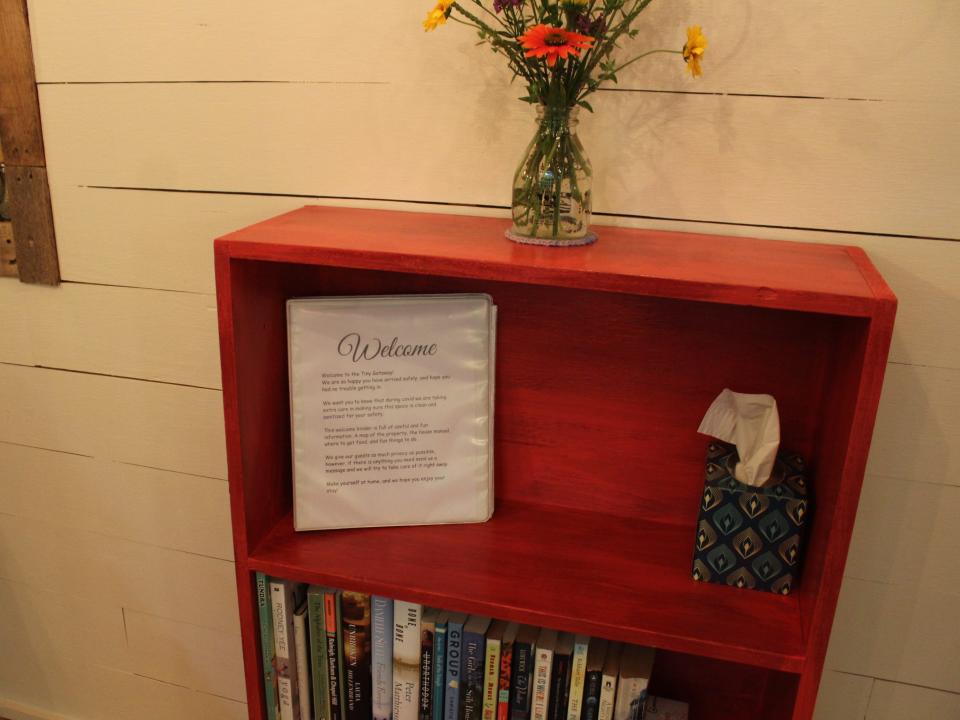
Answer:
(542, 670)
(491, 669)
(506, 671)
(439, 664)
(471, 674)
(318, 653)
(300, 644)
(331, 619)
(382, 659)
(451, 690)
(578, 672)
(522, 674)
(406, 660)
(267, 651)
(283, 597)
(608, 685)
(428, 633)
(355, 644)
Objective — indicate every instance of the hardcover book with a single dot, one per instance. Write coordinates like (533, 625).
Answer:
(331, 614)
(542, 670)
(636, 665)
(454, 658)
(439, 664)
(472, 665)
(382, 657)
(560, 685)
(522, 672)
(506, 670)
(491, 669)
(391, 403)
(428, 632)
(267, 651)
(355, 644)
(406, 660)
(300, 643)
(608, 685)
(593, 679)
(285, 596)
(578, 670)
(318, 653)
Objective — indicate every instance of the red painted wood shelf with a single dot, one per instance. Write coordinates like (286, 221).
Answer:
(607, 358)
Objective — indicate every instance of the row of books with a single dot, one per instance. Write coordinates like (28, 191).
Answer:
(339, 655)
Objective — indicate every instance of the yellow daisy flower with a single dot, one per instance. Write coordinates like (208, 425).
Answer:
(693, 50)
(438, 15)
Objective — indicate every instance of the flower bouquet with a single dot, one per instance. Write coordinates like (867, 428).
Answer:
(564, 51)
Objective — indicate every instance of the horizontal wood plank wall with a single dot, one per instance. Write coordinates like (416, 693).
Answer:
(167, 124)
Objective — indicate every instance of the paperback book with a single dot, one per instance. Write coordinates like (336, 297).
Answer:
(355, 646)
(318, 653)
(454, 658)
(406, 660)
(522, 673)
(428, 632)
(471, 674)
(382, 658)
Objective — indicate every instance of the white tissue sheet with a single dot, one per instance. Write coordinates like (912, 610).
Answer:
(752, 423)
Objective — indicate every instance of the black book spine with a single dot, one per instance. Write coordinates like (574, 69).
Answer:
(357, 680)
(591, 695)
(559, 688)
(426, 674)
(520, 681)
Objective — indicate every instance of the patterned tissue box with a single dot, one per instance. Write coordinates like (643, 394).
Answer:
(751, 537)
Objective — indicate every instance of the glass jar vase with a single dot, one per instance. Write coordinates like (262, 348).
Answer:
(552, 186)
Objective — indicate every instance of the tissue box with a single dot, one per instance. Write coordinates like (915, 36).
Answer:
(751, 537)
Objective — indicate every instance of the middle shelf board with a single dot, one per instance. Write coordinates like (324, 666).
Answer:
(621, 578)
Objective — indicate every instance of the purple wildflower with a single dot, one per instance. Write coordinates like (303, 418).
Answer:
(594, 28)
(499, 5)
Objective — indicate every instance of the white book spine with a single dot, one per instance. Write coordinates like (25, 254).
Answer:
(608, 695)
(406, 660)
(578, 673)
(281, 600)
(543, 664)
(303, 665)
(631, 696)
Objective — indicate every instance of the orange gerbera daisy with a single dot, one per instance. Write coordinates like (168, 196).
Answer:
(553, 42)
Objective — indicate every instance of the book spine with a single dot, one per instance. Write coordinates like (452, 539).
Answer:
(542, 668)
(428, 632)
(281, 595)
(520, 684)
(506, 674)
(608, 695)
(578, 671)
(318, 655)
(471, 674)
(592, 685)
(355, 630)
(491, 679)
(303, 667)
(439, 669)
(451, 690)
(631, 697)
(559, 687)
(406, 660)
(267, 651)
(331, 619)
(382, 661)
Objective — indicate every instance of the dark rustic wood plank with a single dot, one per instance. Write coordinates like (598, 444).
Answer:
(28, 198)
(8, 251)
(20, 133)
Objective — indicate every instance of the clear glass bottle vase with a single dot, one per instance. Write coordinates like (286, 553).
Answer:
(552, 186)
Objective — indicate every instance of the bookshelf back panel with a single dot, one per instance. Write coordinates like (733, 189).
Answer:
(599, 394)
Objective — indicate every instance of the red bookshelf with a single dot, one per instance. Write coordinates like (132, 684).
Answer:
(607, 358)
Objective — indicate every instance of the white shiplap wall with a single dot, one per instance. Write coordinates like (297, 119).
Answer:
(823, 121)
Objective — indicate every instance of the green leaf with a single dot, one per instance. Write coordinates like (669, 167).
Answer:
(585, 104)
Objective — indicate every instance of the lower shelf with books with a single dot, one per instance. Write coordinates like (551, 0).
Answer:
(330, 654)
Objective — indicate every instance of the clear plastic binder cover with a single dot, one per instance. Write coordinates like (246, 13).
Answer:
(391, 410)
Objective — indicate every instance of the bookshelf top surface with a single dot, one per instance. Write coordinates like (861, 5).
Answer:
(832, 279)
(620, 578)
